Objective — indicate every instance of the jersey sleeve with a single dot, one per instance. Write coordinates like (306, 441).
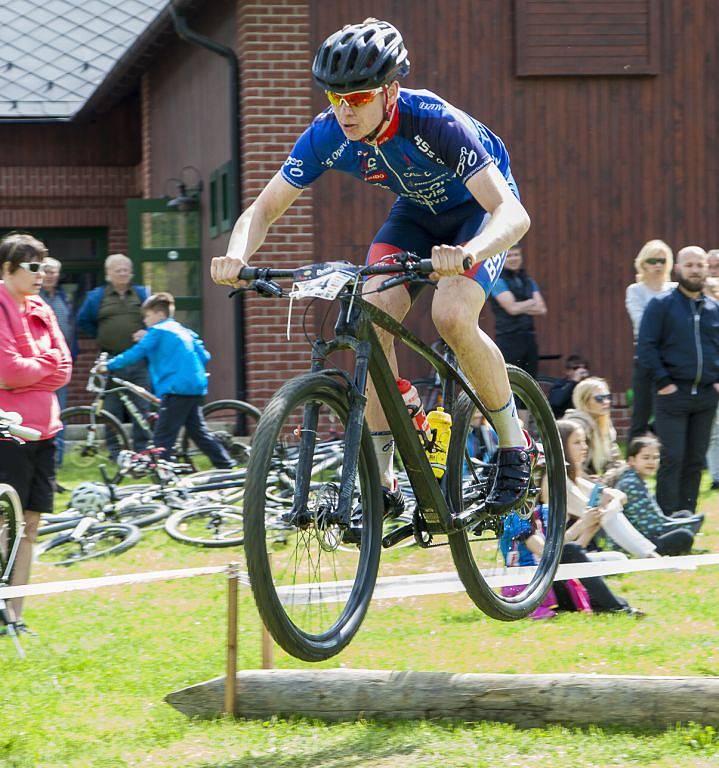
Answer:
(302, 166)
(500, 287)
(459, 145)
(535, 287)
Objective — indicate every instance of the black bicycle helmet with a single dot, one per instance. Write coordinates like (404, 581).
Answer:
(360, 57)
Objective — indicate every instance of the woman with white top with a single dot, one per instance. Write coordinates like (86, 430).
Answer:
(654, 267)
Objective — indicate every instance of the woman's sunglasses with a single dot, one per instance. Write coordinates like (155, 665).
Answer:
(33, 266)
(658, 260)
(354, 100)
(603, 398)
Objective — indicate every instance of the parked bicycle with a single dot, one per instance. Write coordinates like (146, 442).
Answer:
(12, 523)
(94, 435)
(313, 594)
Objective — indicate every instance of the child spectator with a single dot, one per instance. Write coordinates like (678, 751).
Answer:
(591, 506)
(672, 535)
(176, 357)
(592, 411)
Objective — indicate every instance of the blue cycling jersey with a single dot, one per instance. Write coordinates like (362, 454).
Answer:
(428, 154)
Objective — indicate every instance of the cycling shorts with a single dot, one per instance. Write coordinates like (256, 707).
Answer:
(410, 228)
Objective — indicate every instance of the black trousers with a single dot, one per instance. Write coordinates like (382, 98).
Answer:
(520, 349)
(600, 596)
(179, 411)
(643, 403)
(683, 423)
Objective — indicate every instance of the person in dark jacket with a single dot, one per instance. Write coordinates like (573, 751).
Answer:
(679, 343)
(576, 369)
(111, 314)
(177, 359)
(516, 300)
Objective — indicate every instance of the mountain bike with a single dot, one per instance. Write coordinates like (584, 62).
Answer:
(12, 522)
(313, 593)
(94, 435)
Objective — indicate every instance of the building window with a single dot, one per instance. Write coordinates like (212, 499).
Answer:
(587, 37)
(220, 205)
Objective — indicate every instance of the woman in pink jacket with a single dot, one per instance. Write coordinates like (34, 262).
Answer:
(34, 363)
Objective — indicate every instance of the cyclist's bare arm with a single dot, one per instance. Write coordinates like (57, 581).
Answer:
(508, 223)
(251, 229)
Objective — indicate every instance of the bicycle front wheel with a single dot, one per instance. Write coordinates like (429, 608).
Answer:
(91, 438)
(483, 551)
(311, 592)
(98, 541)
(10, 527)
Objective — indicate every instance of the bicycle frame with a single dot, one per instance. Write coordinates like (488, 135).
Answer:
(126, 400)
(353, 330)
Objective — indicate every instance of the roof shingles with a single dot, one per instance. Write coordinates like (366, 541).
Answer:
(72, 44)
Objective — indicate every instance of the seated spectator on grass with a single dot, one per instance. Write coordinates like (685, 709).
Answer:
(176, 357)
(593, 507)
(672, 535)
(576, 369)
(592, 402)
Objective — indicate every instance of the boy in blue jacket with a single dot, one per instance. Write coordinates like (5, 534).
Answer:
(176, 358)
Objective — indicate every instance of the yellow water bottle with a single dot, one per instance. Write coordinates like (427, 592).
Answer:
(440, 423)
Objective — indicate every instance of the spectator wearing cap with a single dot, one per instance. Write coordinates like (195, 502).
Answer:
(576, 369)
(516, 301)
(679, 343)
(653, 266)
(112, 315)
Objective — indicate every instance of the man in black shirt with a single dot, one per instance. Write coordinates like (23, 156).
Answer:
(515, 301)
(679, 343)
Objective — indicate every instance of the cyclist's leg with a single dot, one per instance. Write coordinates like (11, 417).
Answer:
(400, 232)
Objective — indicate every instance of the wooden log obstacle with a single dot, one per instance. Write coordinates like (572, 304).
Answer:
(524, 700)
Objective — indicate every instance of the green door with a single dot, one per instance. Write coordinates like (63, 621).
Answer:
(165, 249)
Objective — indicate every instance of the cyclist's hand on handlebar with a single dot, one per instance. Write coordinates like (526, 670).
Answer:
(225, 269)
(100, 368)
(450, 260)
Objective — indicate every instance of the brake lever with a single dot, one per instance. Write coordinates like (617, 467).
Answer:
(394, 281)
(262, 287)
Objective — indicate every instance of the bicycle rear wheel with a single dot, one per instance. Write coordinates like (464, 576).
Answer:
(91, 438)
(312, 594)
(210, 525)
(232, 423)
(10, 527)
(481, 551)
(98, 541)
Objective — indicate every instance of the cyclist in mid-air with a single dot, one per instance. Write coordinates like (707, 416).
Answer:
(457, 199)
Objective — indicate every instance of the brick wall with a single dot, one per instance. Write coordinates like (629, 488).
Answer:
(72, 196)
(274, 50)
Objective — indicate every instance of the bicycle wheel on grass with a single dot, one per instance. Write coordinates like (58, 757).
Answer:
(233, 423)
(312, 594)
(98, 541)
(10, 526)
(91, 438)
(209, 525)
(482, 549)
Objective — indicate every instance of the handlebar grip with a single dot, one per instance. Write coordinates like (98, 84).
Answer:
(24, 433)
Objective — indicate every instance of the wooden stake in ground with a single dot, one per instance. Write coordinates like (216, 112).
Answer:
(233, 578)
(526, 700)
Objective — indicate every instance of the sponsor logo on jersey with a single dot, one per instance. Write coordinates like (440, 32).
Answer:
(429, 105)
(377, 176)
(423, 146)
(335, 156)
(294, 167)
(467, 159)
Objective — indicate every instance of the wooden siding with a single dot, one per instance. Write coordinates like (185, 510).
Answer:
(603, 163)
(587, 37)
(112, 139)
(188, 116)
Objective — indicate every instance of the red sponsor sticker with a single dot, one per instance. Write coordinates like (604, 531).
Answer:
(376, 176)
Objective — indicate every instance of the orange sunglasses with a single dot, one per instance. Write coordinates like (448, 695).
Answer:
(354, 100)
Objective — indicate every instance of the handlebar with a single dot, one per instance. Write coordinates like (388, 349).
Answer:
(11, 424)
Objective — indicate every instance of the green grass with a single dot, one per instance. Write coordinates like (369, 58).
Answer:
(90, 692)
